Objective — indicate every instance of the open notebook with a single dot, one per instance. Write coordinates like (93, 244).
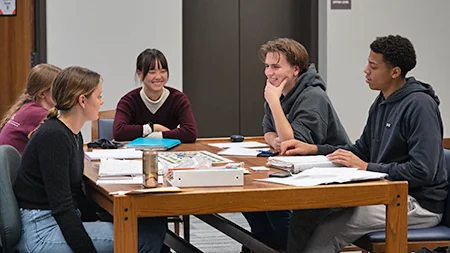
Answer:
(153, 143)
(323, 175)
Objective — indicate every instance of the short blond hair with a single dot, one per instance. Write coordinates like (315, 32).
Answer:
(295, 52)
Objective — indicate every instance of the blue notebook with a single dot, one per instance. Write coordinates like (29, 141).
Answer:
(153, 143)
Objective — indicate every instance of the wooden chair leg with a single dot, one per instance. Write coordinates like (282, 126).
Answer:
(186, 228)
(176, 226)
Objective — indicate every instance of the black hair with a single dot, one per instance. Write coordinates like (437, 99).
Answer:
(397, 51)
(148, 59)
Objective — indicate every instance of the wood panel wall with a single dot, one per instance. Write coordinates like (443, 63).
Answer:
(16, 45)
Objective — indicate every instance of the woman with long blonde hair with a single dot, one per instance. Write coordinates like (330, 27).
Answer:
(48, 185)
(30, 109)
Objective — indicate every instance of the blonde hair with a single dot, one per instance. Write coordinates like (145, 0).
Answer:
(69, 85)
(295, 52)
(40, 79)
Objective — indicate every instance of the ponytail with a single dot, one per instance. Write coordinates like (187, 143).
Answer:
(52, 113)
(23, 99)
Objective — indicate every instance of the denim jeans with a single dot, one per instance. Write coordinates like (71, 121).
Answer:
(41, 233)
(271, 227)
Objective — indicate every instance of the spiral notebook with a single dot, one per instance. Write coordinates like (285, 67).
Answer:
(153, 143)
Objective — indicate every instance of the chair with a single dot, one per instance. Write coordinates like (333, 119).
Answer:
(102, 129)
(430, 238)
(352, 248)
(10, 219)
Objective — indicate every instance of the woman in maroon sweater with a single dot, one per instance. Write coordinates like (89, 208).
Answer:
(30, 109)
(154, 111)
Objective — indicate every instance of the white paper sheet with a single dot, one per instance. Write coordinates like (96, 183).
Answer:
(239, 152)
(123, 153)
(122, 180)
(248, 144)
(317, 176)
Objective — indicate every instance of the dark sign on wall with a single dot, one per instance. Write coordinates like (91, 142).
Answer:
(341, 4)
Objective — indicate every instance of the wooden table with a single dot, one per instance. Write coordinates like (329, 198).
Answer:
(253, 196)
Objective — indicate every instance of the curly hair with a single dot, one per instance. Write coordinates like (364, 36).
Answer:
(397, 51)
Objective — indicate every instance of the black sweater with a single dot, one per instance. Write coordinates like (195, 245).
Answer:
(50, 177)
(403, 138)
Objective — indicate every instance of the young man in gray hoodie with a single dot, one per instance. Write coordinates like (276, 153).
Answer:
(297, 107)
(402, 137)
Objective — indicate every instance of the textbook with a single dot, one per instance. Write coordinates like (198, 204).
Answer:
(296, 164)
(153, 143)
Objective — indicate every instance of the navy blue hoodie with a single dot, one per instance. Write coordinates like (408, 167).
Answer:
(403, 138)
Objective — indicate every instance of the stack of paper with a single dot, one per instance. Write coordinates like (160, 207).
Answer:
(323, 175)
(240, 152)
(96, 154)
(296, 164)
(247, 144)
(113, 171)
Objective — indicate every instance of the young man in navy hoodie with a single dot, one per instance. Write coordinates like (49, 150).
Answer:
(402, 137)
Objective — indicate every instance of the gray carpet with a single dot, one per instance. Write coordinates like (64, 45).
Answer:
(210, 240)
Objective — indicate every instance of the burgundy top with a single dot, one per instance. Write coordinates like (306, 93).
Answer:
(26, 119)
(132, 114)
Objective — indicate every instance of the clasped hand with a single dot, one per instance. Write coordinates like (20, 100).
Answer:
(160, 128)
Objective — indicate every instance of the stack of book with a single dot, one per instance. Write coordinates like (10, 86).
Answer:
(113, 171)
(296, 164)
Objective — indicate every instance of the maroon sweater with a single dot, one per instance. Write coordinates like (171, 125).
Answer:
(16, 130)
(132, 114)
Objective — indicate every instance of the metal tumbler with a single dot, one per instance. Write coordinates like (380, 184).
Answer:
(150, 168)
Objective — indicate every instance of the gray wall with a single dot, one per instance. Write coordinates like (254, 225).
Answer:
(344, 43)
(107, 36)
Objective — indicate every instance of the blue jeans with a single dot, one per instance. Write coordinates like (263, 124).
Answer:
(41, 233)
(271, 227)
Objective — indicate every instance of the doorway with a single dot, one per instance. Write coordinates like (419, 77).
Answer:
(222, 73)
(22, 45)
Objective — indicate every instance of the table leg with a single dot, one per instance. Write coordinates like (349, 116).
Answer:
(397, 219)
(125, 226)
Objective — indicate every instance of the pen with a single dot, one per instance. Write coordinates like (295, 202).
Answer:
(267, 153)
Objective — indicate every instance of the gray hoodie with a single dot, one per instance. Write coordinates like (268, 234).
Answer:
(403, 138)
(310, 112)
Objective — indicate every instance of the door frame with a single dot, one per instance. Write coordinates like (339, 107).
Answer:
(40, 31)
